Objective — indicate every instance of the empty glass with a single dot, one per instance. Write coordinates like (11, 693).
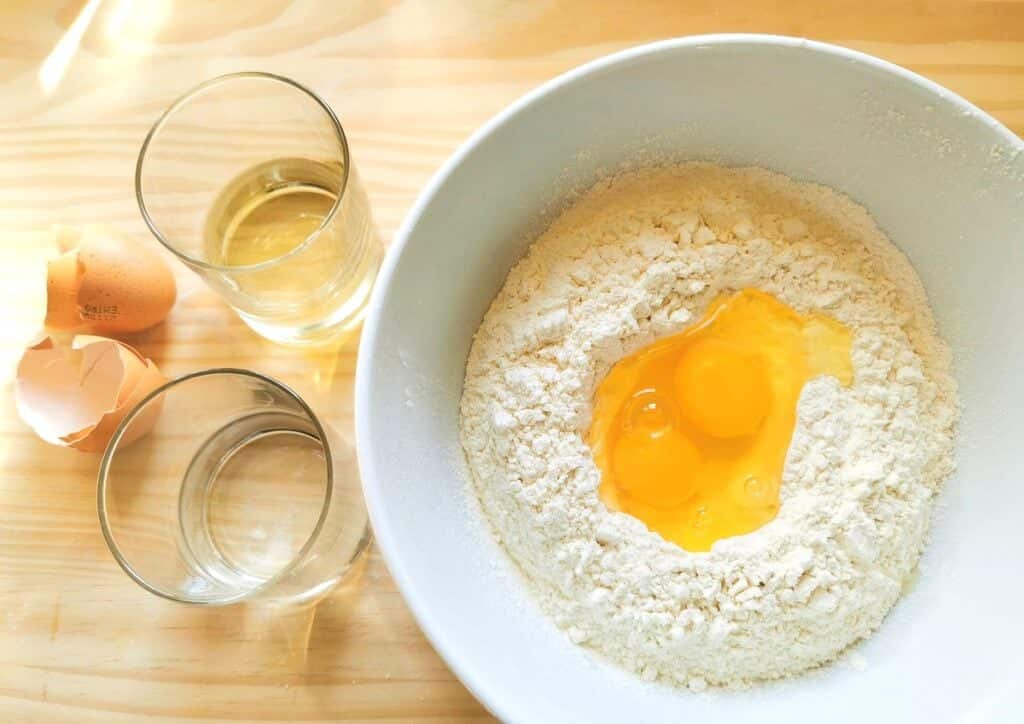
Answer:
(238, 492)
(248, 180)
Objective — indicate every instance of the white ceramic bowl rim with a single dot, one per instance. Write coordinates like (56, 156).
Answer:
(495, 698)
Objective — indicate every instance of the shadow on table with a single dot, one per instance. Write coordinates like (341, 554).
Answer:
(299, 630)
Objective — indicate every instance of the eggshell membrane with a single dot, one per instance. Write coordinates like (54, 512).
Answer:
(77, 397)
(106, 283)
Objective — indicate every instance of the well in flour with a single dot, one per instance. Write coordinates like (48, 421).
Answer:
(638, 257)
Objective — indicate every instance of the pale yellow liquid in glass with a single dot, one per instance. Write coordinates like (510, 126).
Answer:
(273, 224)
(312, 268)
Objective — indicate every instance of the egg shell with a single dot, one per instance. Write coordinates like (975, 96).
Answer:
(77, 397)
(106, 283)
(62, 283)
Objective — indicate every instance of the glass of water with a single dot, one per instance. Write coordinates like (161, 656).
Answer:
(248, 180)
(238, 492)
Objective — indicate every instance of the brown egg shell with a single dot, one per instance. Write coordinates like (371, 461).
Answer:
(77, 397)
(106, 283)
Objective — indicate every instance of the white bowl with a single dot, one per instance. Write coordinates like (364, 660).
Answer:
(945, 181)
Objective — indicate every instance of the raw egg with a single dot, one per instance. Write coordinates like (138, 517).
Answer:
(691, 432)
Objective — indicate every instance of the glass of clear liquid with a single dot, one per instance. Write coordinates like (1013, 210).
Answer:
(235, 492)
(248, 180)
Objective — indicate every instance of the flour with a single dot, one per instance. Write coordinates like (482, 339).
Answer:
(638, 257)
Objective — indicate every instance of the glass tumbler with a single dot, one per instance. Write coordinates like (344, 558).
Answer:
(235, 491)
(248, 180)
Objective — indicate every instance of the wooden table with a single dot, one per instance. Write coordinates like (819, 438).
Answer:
(410, 80)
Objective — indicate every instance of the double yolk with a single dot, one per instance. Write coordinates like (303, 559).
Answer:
(691, 432)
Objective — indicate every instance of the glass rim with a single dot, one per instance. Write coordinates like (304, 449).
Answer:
(108, 456)
(183, 100)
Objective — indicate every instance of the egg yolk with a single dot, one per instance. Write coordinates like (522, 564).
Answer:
(691, 432)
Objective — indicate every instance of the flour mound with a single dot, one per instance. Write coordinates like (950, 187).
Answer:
(638, 257)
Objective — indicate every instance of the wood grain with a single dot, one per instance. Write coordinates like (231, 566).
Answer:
(410, 80)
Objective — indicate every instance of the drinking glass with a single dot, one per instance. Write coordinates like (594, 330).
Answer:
(248, 180)
(238, 492)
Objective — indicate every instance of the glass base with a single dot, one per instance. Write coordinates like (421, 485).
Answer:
(346, 318)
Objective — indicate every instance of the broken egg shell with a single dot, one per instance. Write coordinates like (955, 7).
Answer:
(62, 284)
(77, 397)
(104, 282)
(140, 378)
